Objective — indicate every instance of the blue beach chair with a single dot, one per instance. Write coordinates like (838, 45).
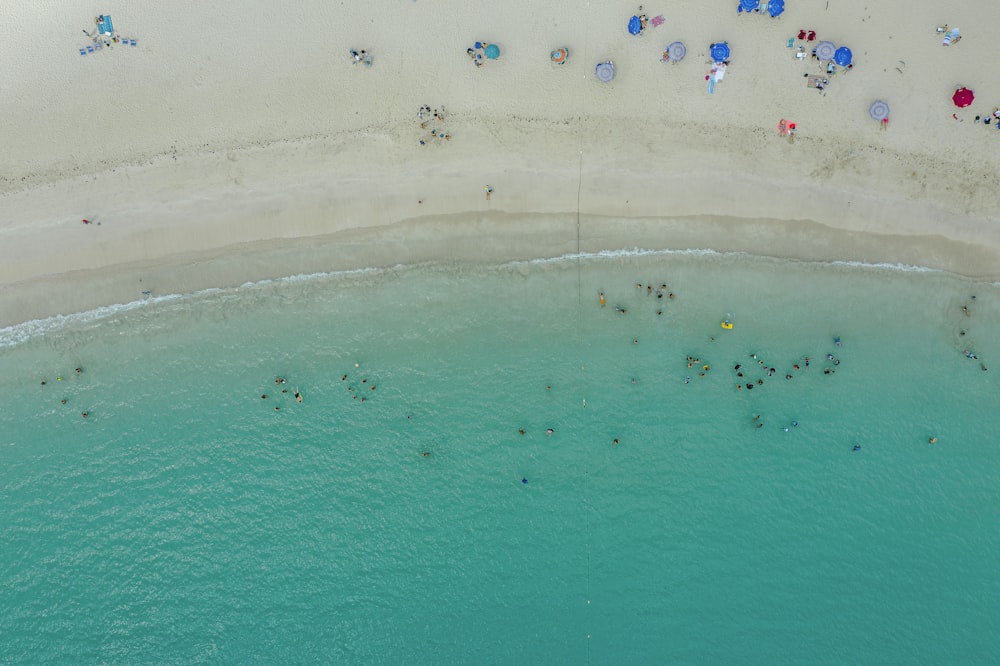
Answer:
(90, 49)
(83, 51)
(131, 42)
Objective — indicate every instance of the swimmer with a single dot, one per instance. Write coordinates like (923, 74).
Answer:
(659, 312)
(79, 371)
(961, 333)
(635, 341)
(279, 380)
(795, 424)
(520, 431)
(43, 382)
(549, 431)
(602, 299)
(548, 388)
(670, 295)
(828, 371)
(614, 443)
(829, 357)
(343, 378)
(756, 417)
(749, 387)
(705, 367)
(739, 387)
(760, 425)
(760, 382)
(788, 376)
(857, 447)
(524, 480)
(806, 359)
(687, 380)
(836, 340)
(373, 387)
(298, 396)
(63, 401)
(796, 366)
(633, 380)
(263, 396)
(277, 408)
(737, 368)
(425, 454)
(932, 440)
(84, 414)
(965, 309)
(982, 366)
(969, 354)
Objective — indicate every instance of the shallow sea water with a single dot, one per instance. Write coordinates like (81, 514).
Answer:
(186, 520)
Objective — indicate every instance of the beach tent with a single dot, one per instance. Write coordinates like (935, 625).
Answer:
(963, 97)
(749, 5)
(879, 110)
(634, 25)
(843, 56)
(776, 7)
(825, 50)
(720, 51)
(676, 51)
(605, 71)
(492, 51)
(104, 24)
(559, 55)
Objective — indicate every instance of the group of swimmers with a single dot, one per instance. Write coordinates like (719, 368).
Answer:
(279, 381)
(59, 378)
(962, 332)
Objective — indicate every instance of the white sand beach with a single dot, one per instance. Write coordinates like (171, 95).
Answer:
(233, 143)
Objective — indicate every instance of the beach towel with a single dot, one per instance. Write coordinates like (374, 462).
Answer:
(953, 36)
(657, 20)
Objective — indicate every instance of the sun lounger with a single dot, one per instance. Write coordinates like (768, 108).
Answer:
(83, 51)
(90, 49)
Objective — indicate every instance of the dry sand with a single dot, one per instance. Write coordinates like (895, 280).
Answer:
(235, 144)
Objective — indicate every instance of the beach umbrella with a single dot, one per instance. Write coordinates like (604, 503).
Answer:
(825, 50)
(749, 5)
(605, 71)
(843, 56)
(775, 7)
(634, 25)
(559, 55)
(720, 51)
(879, 110)
(963, 97)
(492, 51)
(676, 51)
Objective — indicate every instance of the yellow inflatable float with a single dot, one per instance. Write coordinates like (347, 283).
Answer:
(728, 325)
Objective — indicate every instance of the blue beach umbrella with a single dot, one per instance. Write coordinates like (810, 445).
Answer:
(775, 7)
(634, 25)
(843, 56)
(720, 51)
(492, 51)
(749, 5)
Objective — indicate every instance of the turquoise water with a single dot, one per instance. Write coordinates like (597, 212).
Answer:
(185, 520)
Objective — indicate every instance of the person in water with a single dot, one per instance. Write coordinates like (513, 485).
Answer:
(298, 396)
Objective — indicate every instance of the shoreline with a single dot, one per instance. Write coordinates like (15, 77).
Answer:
(418, 242)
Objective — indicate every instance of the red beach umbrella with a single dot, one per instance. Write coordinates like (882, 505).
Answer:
(963, 97)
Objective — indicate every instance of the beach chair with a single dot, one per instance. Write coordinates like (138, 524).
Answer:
(83, 51)
(90, 49)
(131, 42)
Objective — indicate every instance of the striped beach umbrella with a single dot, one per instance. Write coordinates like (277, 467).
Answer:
(825, 50)
(676, 51)
(605, 71)
(879, 110)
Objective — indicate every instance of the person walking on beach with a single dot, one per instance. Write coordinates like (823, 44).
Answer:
(489, 191)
